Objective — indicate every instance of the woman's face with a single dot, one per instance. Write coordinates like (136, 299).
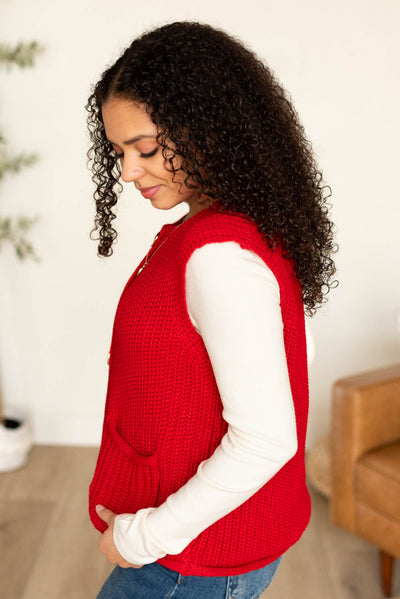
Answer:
(132, 134)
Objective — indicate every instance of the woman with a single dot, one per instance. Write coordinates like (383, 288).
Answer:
(199, 486)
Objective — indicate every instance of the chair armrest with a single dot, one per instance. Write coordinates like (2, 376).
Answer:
(365, 415)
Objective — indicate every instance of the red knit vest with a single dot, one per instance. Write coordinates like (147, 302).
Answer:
(163, 412)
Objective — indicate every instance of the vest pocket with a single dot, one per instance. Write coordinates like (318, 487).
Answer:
(124, 480)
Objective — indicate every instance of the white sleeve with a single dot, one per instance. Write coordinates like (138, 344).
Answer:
(234, 304)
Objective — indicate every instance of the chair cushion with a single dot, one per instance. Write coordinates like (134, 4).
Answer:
(377, 480)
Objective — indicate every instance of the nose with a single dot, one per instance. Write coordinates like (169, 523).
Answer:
(131, 172)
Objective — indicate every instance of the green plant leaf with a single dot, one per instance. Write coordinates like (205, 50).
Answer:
(22, 54)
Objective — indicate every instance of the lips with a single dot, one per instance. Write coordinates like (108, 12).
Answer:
(149, 192)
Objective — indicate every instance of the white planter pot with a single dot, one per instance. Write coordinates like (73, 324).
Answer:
(15, 441)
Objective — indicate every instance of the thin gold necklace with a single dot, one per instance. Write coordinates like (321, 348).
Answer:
(148, 256)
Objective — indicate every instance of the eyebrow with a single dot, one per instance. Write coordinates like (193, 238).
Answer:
(129, 142)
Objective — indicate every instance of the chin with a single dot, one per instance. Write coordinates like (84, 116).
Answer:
(163, 205)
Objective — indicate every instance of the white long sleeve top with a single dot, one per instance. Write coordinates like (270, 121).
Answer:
(233, 301)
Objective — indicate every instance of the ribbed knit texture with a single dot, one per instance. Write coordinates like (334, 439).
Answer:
(163, 412)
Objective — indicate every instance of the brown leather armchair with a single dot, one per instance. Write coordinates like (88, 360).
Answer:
(365, 461)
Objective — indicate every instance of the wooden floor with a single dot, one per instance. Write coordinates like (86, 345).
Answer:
(48, 547)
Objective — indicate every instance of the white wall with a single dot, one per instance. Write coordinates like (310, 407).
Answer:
(339, 60)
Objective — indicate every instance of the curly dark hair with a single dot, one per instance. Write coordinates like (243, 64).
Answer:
(237, 133)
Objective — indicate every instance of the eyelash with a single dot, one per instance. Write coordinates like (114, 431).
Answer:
(147, 155)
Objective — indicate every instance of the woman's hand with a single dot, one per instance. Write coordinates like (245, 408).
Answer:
(106, 542)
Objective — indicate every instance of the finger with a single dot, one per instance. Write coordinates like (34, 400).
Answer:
(124, 564)
(105, 514)
(106, 549)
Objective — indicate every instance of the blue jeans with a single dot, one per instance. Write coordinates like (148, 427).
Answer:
(157, 582)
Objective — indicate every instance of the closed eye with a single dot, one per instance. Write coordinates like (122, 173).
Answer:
(146, 155)
(149, 154)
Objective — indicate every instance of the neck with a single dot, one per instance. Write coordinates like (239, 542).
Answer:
(197, 206)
